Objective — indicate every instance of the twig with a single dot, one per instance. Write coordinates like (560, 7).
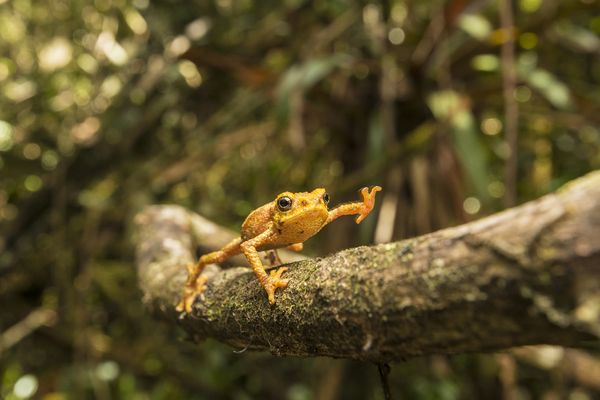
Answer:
(384, 374)
(511, 109)
(33, 321)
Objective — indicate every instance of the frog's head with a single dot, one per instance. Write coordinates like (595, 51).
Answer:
(301, 215)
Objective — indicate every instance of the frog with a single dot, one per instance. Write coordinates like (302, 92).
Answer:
(286, 222)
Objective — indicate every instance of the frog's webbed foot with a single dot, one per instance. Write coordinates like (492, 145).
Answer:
(193, 288)
(368, 202)
(274, 281)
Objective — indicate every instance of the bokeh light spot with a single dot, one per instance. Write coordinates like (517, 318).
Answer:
(528, 40)
(111, 86)
(179, 45)
(107, 371)
(496, 189)
(107, 44)
(32, 151)
(190, 73)
(491, 126)
(485, 62)
(396, 36)
(530, 6)
(6, 136)
(136, 22)
(33, 183)
(198, 28)
(25, 387)
(50, 160)
(87, 63)
(475, 25)
(20, 90)
(399, 13)
(12, 28)
(4, 71)
(522, 94)
(55, 54)
(85, 132)
(471, 205)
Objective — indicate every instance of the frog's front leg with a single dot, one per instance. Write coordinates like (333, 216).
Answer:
(270, 282)
(296, 246)
(361, 209)
(196, 283)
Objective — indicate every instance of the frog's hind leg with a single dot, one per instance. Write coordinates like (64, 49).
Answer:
(270, 282)
(196, 283)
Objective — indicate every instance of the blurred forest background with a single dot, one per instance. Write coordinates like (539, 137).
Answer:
(110, 105)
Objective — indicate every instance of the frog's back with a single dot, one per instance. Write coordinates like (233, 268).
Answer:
(257, 221)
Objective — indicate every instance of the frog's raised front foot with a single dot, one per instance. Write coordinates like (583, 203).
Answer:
(274, 281)
(190, 292)
(368, 202)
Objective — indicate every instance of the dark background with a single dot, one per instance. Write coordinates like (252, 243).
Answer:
(110, 105)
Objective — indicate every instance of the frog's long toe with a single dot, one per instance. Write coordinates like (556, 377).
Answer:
(190, 293)
(274, 282)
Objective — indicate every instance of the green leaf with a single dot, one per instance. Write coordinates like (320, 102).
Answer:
(555, 91)
(453, 108)
(301, 77)
(475, 25)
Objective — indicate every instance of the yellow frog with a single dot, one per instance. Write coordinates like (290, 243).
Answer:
(287, 221)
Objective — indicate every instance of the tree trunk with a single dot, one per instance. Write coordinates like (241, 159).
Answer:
(528, 275)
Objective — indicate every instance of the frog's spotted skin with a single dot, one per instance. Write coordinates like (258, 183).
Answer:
(287, 221)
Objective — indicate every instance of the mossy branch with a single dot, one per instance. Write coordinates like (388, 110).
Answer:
(528, 275)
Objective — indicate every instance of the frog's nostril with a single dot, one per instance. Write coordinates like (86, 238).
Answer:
(304, 202)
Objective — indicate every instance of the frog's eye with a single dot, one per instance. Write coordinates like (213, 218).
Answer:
(326, 198)
(284, 203)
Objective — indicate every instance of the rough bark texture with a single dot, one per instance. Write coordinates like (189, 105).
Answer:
(528, 275)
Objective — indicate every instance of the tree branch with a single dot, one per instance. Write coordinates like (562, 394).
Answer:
(528, 275)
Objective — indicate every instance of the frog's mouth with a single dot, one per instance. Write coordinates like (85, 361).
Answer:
(301, 227)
